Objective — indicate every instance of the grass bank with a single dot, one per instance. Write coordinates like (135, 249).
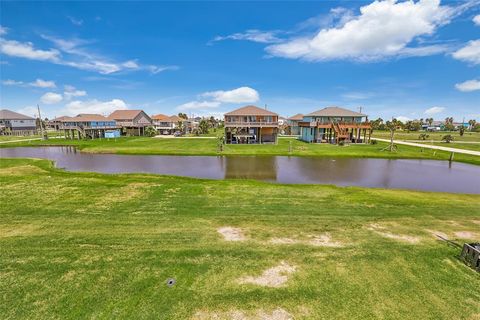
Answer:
(84, 245)
(192, 146)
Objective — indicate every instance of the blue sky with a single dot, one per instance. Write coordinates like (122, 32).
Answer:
(406, 59)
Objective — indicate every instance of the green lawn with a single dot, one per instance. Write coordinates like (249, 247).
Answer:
(191, 146)
(435, 136)
(84, 245)
(36, 136)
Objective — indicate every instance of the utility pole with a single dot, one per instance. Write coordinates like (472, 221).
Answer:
(44, 137)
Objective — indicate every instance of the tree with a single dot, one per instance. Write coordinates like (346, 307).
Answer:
(472, 124)
(203, 126)
(378, 124)
(392, 126)
(181, 126)
(183, 115)
(429, 121)
(449, 124)
(461, 130)
(150, 131)
(447, 138)
(423, 136)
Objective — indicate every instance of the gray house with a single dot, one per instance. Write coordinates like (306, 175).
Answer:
(16, 124)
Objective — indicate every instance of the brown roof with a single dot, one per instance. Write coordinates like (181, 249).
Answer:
(159, 117)
(10, 115)
(175, 118)
(124, 114)
(336, 112)
(251, 111)
(59, 118)
(298, 116)
(85, 117)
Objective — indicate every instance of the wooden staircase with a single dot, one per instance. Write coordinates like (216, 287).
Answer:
(341, 133)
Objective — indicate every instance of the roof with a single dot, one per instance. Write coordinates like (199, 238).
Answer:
(160, 117)
(124, 114)
(85, 117)
(251, 111)
(298, 116)
(336, 112)
(175, 118)
(10, 115)
(59, 118)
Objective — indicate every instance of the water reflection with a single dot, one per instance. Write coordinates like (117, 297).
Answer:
(406, 174)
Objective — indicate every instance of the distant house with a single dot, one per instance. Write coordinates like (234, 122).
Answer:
(89, 126)
(133, 122)
(55, 123)
(334, 124)
(166, 124)
(293, 124)
(251, 124)
(16, 124)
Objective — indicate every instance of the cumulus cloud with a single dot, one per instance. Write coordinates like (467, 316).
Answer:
(3, 30)
(198, 105)
(476, 20)
(26, 50)
(74, 21)
(434, 110)
(252, 35)
(403, 118)
(71, 91)
(40, 83)
(468, 86)
(239, 95)
(383, 29)
(94, 106)
(29, 111)
(10, 82)
(469, 53)
(51, 98)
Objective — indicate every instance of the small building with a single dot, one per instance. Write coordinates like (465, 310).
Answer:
(167, 124)
(133, 122)
(16, 124)
(55, 123)
(293, 124)
(333, 125)
(88, 126)
(251, 124)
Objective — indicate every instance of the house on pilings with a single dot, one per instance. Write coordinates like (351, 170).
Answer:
(88, 126)
(335, 125)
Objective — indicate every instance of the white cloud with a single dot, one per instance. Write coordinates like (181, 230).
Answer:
(131, 64)
(383, 29)
(3, 30)
(239, 95)
(468, 86)
(434, 110)
(403, 119)
(198, 105)
(29, 111)
(252, 35)
(94, 106)
(476, 20)
(51, 98)
(26, 50)
(77, 22)
(39, 83)
(469, 53)
(71, 91)
(10, 82)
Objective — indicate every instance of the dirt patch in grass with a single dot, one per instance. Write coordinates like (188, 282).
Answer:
(383, 231)
(436, 234)
(126, 193)
(284, 241)
(274, 277)
(277, 314)
(231, 234)
(465, 234)
(13, 231)
(325, 240)
(21, 170)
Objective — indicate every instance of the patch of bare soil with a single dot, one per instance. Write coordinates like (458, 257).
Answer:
(284, 241)
(436, 234)
(13, 231)
(274, 277)
(382, 231)
(231, 234)
(277, 314)
(325, 240)
(21, 170)
(465, 234)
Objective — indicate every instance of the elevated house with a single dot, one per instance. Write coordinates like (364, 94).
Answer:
(16, 124)
(166, 124)
(133, 122)
(292, 123)
(334, 125)
(251, 124)
(55, 123)
(89, 126)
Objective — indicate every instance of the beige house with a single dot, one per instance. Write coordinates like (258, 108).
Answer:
(251, 125)
(133, 122)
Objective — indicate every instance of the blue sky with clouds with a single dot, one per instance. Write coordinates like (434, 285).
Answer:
(407, 59)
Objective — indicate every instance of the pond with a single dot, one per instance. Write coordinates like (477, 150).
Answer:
(428, 175)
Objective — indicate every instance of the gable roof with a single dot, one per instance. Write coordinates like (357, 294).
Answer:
(175, 118)
(251, 111)
(336, 112)
(159, 117)
(10, 115)
(298, 116)
(85, 117)
(124, 114)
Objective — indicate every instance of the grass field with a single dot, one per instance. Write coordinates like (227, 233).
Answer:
(83, 245)
(191, 146)
(12, 138)
(435, 136)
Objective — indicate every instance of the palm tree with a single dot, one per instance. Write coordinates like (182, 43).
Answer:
(447, 138)
(472, 124)
(392, 126)
(150, 131)
(203, 126)
(423, 136)
(430, 121)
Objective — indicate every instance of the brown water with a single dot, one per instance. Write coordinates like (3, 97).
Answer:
(429, 175)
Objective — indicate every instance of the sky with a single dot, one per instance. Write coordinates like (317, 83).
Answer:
(402, 59)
